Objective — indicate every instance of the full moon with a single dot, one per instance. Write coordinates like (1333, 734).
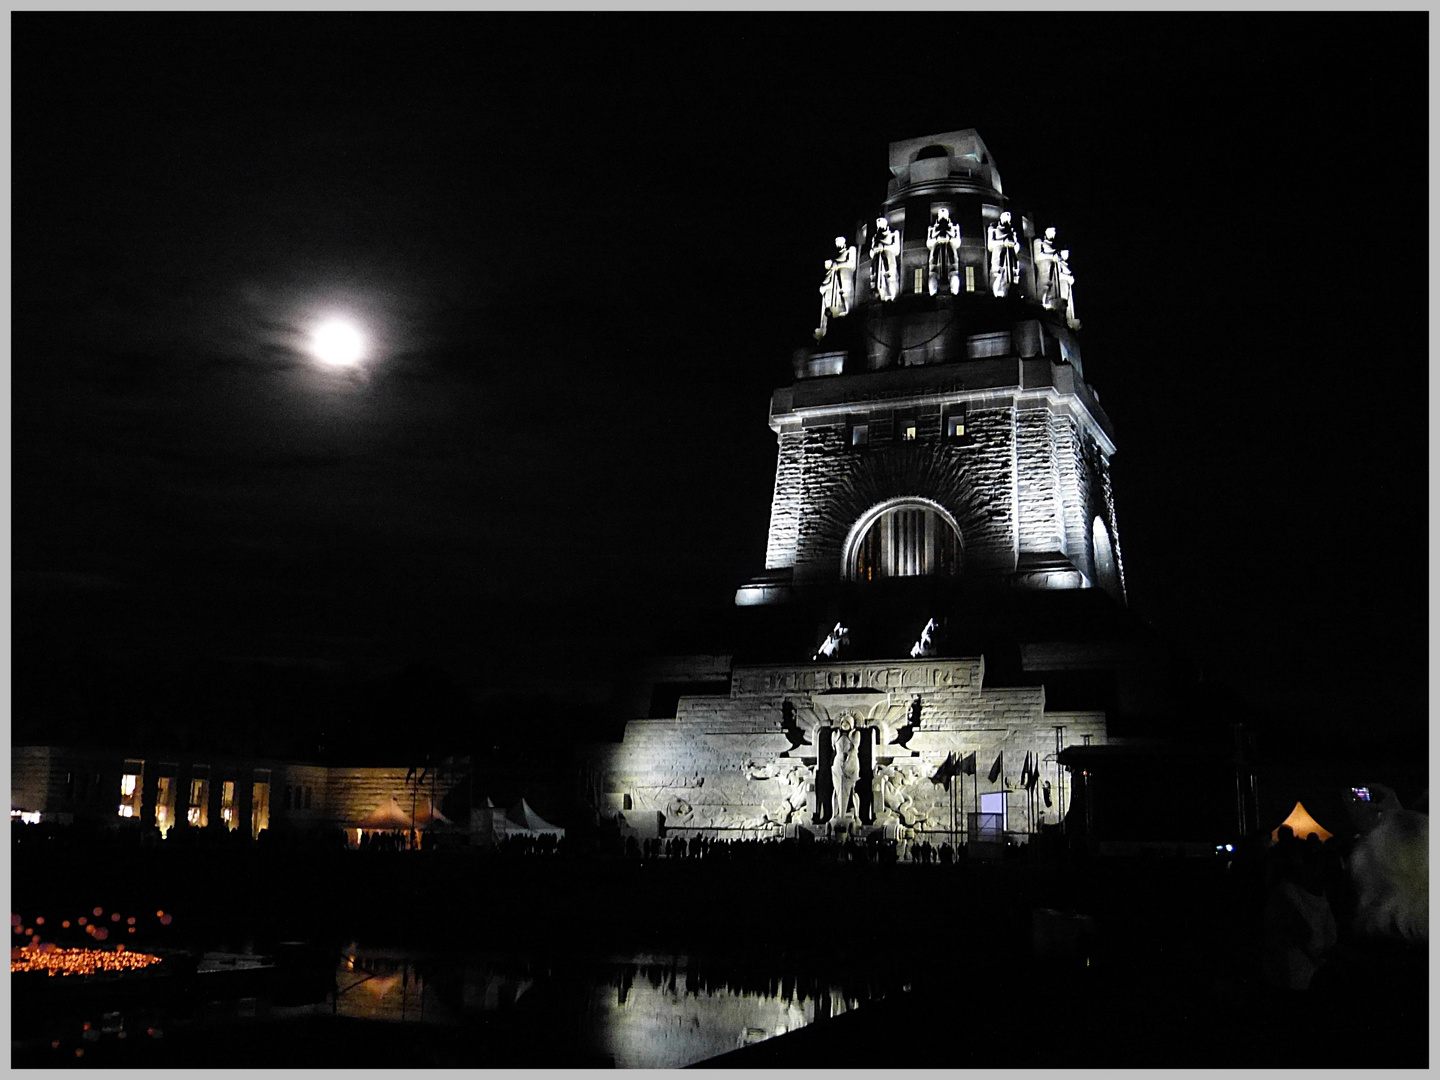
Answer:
(338, 342)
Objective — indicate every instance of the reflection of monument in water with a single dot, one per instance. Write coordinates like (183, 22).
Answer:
(942, 609)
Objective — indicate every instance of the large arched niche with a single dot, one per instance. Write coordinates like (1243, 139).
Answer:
(1107, 575)
(908, 537)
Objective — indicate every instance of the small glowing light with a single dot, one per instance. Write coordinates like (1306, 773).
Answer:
(165, 919)
(130, 920)
(159, 914)
(65, 925)
(115, 916)
(40, 920)
(98, 912)
(83, 920)
(339, 343)
(1229, 847)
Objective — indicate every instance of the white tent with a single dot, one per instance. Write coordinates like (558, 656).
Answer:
(522, 820)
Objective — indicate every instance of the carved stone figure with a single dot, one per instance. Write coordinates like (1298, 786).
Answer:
(1047, 277)
(926, 645)
(896, 799)
(845, 766)
(1066, 279)
(1003, 248)
(830, 647)
(837, 291)
(943, 243)
(885, 261)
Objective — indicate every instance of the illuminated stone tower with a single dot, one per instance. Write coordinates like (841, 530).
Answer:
(943, 606)
(940, 433)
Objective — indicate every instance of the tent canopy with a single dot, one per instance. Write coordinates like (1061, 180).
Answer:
(522, 818)
(1302, 825)
(389, 815)
(427, 816)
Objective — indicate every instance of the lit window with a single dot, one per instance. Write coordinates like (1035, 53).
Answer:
(165, 786)
(197, 809)
(260, 803)
(130, 786)
(969, 279)
(909, 430)
(955, 425)
(859, 434)
(919, 279)
(227, 804)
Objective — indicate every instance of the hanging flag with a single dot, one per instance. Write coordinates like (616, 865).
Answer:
(1025, 771)
(967, 764)
(1034, 773)
(995, 769)
(1046, 790)
(945, 772)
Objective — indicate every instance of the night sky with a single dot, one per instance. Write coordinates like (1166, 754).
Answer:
(585, 247)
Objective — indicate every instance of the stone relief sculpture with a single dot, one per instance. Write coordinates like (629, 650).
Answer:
(885, 261)
(926, 645)
(845, 766)
(1047, 277)
(837, 291)
(1003, 248)
(890, 783)
(943, 242)
(830, 647)
(1066, 278)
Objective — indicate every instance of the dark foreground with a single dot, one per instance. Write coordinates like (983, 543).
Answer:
(1163, 974)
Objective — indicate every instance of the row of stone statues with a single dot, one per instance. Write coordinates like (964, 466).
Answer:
(1054, 278)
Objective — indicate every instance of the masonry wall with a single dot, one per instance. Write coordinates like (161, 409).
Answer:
(824, 485)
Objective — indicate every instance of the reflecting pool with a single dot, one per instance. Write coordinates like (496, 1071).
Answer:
(651, 1011)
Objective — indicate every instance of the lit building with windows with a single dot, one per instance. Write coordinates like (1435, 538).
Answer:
(942, 609)
(102, 787)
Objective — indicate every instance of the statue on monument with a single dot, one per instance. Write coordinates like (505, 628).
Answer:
(885, 261)
(830, 647)
(844, 766)
(943, 243)
(1047, 276)
(926, 645)
(1003, 247)
(1067, 288)
(891, 796)
(837, 291)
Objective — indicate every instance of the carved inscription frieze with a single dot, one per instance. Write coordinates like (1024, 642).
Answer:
(895, 676)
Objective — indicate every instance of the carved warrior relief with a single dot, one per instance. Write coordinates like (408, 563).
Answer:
(1002, 246)
(853, 739)
(885, 261)
(1053, 277)
(942, 241)
(837, 290)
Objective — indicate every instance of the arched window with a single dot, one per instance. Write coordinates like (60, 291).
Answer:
(1106, 576)
(905, 538)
